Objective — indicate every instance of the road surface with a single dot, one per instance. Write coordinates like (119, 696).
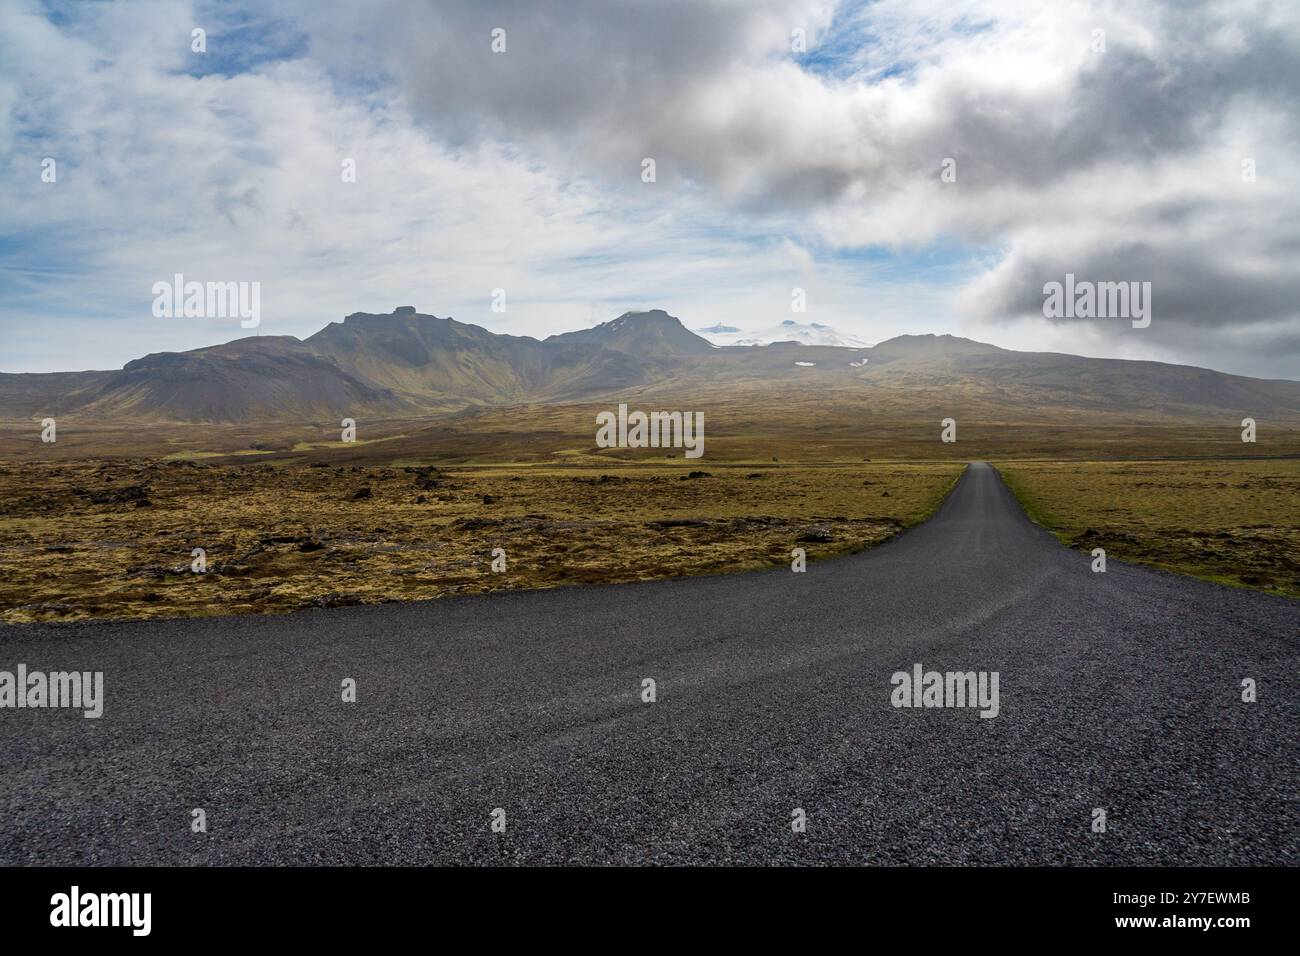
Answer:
(1119, 691)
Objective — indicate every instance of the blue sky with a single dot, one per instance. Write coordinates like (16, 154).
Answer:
(521, 170)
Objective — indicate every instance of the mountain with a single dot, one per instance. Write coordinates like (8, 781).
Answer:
(400, 364)
(250, 379)
(931, 347)
(441, 362)
(805, 333)
(653, 336)
(406, 364)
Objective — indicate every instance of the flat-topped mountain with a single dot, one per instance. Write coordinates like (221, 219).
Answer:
(649, 336)
(408, 364)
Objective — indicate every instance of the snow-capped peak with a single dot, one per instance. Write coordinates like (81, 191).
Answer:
(805, 333)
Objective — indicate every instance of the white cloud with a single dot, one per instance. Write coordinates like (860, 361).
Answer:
(522, 170)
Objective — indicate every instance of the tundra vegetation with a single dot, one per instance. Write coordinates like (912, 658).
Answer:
(1237, 522)
(117, 537)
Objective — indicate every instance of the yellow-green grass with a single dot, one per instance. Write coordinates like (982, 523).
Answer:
(75, 543)
(312, 445)
(193, 455)
(810, 428)
(1236, 522)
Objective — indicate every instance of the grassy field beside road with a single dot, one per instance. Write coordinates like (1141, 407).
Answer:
(115, 537)
(1237, 522)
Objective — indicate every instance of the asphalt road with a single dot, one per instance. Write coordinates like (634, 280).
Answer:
(1120, 691)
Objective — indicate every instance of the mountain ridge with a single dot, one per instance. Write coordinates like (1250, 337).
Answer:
(407, 364)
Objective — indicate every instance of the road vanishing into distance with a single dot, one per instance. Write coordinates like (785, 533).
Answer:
(1119, 691)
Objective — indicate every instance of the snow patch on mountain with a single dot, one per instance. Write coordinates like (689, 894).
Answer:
(805, 333)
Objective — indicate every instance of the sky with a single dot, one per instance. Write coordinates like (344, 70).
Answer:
(912, 165)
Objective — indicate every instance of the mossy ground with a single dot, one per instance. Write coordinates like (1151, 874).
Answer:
(1237, 522)
(114, 537)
